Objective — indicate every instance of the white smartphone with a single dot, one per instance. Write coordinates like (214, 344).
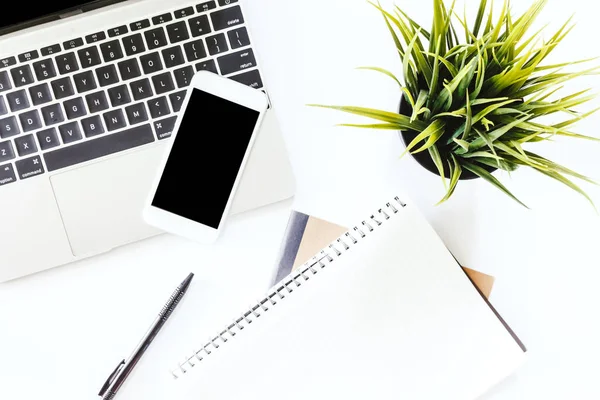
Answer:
(202, 167)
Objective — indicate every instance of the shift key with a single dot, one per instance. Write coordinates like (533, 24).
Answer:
(30, 167)
(235, 62)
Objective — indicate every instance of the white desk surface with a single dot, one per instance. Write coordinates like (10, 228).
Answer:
(62, 331)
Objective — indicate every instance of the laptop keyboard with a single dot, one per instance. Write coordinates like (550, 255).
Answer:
(115, 90)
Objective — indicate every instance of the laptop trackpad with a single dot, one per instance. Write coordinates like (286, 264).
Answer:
(101, 204)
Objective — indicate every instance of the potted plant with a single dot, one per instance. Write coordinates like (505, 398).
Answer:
(475, 96)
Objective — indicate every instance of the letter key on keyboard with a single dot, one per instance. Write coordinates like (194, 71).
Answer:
(30, 120)
(25, 145)
(48, 138)
(6, 151)
(40, 94)
(9, 127)
(17, 100)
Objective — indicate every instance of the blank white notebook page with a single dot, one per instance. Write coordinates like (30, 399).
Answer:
(393, 317)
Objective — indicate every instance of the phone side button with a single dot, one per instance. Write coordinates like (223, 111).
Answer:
(164, 127)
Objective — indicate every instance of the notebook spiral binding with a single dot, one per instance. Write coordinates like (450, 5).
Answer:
(292, 282)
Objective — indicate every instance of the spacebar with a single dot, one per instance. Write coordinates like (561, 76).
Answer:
(103, 146)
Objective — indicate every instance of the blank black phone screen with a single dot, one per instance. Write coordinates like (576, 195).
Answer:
(206, 157)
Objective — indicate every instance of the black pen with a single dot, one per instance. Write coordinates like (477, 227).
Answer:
(120, 374)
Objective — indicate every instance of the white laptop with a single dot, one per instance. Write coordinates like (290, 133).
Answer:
(89, 93)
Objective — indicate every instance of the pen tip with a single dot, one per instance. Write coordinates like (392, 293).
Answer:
(187, 280)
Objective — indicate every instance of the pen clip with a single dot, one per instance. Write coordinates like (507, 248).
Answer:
(111, 378)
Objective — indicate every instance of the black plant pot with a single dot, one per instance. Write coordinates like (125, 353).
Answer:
(423, 158)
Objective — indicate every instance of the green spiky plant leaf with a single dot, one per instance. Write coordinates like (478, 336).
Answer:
(476, 102)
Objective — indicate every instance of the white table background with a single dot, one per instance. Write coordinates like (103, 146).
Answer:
(62, 331)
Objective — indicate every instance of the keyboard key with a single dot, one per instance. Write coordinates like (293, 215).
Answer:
(208, 5)
(141, 89)
(226, 2)
(4, 81)
(111, 50)
(30, 55)
(40, 94)
(155, 38)
(62, 88)
(183, 76)
(7, 174)
(70, 132)
(48, 138)
(30, 167)
(75, 108)
(199, 26)
(136, 26)
(164, 128)
(67, 63)
(173, 56)
(52, 114)
(159, 107)
(48, 50)
(251, 78)
(107, 75)
(134, 44)
(194, 50)
(30, 120)
(177, 100)
(129, 69)
(7, 62)
(119, 95)
(177, 32)
(44, 69)
(92, 126)
(227, 18)
(71, 44)
(100, 147)
(136, 113)
(163, 83)
(6, 151)
(22, 75)
(85, 81)
(9, 127)
(118, 31)
(208, 65)
(89, 57)
(3, 109)
(25, 145)
(17, 100)
(151, 63)
(184, 12)
(114, 120)
(216, 44)
(161, 19)
(235, 62)
(238, 38)
(95, 37)
(96, 102)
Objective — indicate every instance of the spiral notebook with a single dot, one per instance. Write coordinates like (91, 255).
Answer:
(382, 312)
